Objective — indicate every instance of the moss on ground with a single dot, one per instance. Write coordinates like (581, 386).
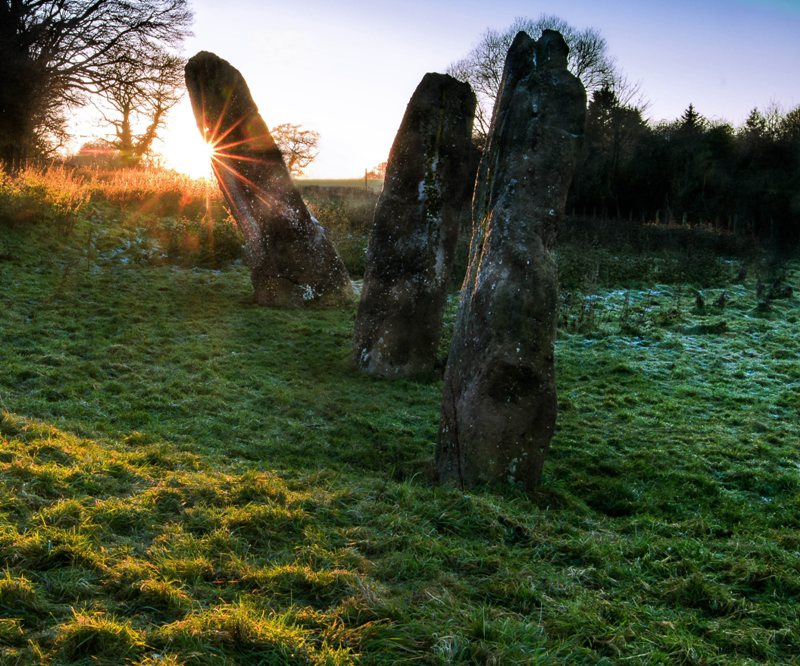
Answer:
(186, 478)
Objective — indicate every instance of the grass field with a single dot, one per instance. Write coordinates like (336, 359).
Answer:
(186, 478)
(357, 183)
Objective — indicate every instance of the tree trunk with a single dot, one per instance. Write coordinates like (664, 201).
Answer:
(17, 125)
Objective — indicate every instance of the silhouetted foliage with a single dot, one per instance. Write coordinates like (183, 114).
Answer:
(482, 67)
(692, 171)
(57, 52)
(612, 134)
(136, 100)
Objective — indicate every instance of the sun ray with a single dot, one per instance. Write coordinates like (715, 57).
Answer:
(226, 152)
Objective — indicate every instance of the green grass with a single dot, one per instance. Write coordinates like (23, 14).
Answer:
(186, 478)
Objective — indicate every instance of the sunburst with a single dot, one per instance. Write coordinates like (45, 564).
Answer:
(224, 152)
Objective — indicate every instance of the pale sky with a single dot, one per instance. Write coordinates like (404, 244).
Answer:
(347, 69)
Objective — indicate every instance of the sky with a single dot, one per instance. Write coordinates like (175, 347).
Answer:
(347, 69)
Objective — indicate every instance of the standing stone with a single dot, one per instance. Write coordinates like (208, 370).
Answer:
(426, 192)
(292, 262)
(499, 404)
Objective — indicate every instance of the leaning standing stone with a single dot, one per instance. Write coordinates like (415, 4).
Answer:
(428, 185)
(292, 262)
(499, 403)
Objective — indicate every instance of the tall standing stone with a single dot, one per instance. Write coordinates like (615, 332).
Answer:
(292, 262)
(426, 192)
(499, 403)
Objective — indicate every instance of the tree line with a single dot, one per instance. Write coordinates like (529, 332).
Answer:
(692, 171)
(689, 171)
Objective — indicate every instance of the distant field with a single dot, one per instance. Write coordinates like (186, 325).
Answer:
(375, 185)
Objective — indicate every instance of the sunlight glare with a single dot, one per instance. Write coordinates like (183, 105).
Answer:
(192, 158)
(185, 151)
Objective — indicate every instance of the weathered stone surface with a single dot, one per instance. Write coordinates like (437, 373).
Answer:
(499, 403)
(292, 262)
(426, 191)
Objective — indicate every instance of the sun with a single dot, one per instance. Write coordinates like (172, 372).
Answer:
(184, 150)
(208, 151)
(192, 157)
(211, 151)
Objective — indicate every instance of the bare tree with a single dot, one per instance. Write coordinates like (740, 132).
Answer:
(136, 100)
(298, 146)
(56, 52)
(482, 67)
